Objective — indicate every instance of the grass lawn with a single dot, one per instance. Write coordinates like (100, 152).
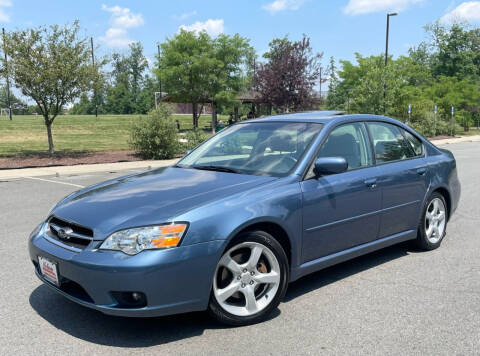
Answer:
(27, 134)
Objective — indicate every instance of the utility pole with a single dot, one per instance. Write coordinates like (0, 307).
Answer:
(6, 75)
(386, 59)
(95, 84)
(254, 74)
(435, 120)
(320, 82)
(159, 77)
(409, 113)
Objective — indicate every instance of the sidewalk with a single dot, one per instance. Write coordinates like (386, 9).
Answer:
(475, 138)
(82, 169)
(120, 166)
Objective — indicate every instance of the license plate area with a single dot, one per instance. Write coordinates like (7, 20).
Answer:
(49, 270)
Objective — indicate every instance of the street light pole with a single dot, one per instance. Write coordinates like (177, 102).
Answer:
(386, 37)
(386, 58)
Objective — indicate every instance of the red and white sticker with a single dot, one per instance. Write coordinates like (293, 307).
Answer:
(49, 270)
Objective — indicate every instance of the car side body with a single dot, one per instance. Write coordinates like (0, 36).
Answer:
(319, 221)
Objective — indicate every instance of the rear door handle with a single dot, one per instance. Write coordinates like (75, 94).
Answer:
(422, 171)
(371, 183)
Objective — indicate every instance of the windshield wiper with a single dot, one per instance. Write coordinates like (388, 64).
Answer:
(216, 168)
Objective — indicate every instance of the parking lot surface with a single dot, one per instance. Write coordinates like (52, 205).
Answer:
(395, 301)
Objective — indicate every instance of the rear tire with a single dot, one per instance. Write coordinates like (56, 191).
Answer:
(250, 280)
(433, 223)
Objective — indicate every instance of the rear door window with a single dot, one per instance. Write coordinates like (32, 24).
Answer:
(389, 143)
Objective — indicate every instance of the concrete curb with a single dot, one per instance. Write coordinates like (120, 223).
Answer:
(82, 169)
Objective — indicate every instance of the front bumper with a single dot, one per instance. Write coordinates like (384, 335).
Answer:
(176, 280)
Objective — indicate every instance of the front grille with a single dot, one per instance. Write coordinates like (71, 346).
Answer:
(69, 234)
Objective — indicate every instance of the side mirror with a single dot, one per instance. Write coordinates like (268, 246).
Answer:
(187, 152)
(329, 165)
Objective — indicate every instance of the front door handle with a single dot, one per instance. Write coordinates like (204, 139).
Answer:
(371, 183)
(422, 171)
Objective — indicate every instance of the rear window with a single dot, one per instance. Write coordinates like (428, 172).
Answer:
(415, 143)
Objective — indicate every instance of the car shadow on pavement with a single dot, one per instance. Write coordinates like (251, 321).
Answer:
(343, 270)
(93, 326)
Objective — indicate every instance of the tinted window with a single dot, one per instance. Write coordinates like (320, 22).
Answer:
(350, 142)
(388, 142)
(415, 143)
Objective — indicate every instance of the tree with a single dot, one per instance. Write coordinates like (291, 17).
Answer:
(16, 103)
(146, 97)
(52, 66)
(137, 64)
(288, 77)
(86, 104)
(454, 50)
(197, 69)
(334, 101)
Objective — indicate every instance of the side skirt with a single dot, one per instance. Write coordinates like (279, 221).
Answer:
(338, 257)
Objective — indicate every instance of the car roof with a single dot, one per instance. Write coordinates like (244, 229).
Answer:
(318, 117)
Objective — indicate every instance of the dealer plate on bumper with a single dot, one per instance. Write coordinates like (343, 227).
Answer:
(49, 270)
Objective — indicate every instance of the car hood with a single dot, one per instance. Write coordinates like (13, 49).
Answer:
(150, 198)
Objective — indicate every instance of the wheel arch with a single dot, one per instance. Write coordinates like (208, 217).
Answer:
(271, 227)
(446, 195)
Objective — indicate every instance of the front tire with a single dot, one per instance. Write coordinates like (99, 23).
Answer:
(250, 280)
(433, 224)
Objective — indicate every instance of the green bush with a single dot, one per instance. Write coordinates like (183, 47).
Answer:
(156, 136)
(194, 138)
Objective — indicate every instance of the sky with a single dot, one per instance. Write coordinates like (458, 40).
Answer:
(338, 28)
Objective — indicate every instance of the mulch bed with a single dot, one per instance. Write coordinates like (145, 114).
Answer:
(68, 159)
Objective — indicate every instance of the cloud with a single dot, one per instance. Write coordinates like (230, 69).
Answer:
(467, 11)
(282, 5)
(212, 27)
(184, 16)
(4, 16)
(121, 19)
(360, 7)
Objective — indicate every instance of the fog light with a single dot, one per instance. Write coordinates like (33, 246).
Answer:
(130, 299)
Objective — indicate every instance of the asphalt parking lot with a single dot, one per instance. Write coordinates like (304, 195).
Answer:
(395, 301)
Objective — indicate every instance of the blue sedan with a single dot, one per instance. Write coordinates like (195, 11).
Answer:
(257, 206)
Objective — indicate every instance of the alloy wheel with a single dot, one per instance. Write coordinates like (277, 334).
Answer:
(435, 220)
(247, 279)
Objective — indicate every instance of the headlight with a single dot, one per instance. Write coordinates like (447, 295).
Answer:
(133, 241)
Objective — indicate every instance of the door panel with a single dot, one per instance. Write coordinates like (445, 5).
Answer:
(339, 211)
(402, 177)
(404, 188)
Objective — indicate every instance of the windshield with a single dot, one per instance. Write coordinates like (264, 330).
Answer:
(262, 148)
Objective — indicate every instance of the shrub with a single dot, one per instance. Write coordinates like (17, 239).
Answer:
(156, 136)
(194, 138)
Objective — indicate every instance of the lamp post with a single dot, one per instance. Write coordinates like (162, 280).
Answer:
(386, 37)
(386, 59)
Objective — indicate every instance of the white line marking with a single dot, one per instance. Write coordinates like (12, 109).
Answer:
(55, 181)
